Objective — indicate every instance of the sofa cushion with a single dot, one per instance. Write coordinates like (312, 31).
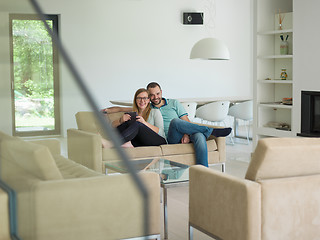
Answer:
(70, 169)
(34, 158)
(86, 121)
(137, 152)
(114, 116)
(178, 149)
(284, 157)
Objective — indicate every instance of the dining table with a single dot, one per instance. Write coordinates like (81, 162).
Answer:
(199, 101)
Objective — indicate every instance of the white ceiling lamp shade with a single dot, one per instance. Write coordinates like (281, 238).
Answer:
(210, 49)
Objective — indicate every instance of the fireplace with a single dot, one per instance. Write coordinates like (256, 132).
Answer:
(310, 114)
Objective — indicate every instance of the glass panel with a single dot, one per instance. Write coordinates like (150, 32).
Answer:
(44, 205)
(33, 77)
(169, 171)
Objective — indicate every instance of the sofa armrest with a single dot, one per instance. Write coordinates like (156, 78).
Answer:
(221, 146)
(85, 148)
(107, 207)
(223, 205)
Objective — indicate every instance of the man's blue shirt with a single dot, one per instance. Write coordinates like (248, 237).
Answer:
(171, 109)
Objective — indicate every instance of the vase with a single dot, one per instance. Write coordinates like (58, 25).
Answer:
(284, 48)
(283, 75)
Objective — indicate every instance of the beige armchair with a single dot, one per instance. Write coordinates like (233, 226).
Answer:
(278, 200)
(4, 216)
(60, 199)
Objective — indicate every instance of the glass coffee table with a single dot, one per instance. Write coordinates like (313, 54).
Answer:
(172, 174)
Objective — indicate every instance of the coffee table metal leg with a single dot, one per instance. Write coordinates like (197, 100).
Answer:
(165, 213)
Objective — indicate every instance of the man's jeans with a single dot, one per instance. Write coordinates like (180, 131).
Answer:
(198, 136)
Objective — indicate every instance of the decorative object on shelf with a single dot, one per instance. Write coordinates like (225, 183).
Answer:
(281, 17)
(268, 78)
(283, 75)
(278, 125)
(284, 45)
(287, 101)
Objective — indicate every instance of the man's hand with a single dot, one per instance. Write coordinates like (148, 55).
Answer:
(185, 139)
(117, 109)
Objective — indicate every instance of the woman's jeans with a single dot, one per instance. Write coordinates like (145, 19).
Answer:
(198, 136)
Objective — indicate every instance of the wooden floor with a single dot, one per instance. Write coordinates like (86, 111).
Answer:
(238, 156)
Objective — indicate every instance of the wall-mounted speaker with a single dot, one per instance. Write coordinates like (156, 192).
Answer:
(193, 18)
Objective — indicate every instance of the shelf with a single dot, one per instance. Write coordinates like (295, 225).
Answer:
(275, 56)
(276, 81)
(274, 32)
(272, 132)
(275, 105)
(269, 62)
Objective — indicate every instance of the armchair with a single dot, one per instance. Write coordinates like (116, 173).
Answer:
(4, 216)
(60, 199)
(279, 199)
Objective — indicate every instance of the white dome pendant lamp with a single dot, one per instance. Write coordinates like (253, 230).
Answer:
(210, 49)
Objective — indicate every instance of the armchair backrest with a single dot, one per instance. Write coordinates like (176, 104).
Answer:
(33, 158)
(284, 157)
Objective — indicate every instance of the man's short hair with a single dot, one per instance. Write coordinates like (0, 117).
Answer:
(153, 85)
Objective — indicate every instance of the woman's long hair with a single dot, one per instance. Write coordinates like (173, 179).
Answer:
(146, 112)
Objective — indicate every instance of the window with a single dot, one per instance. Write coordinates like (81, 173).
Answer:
(34, 76)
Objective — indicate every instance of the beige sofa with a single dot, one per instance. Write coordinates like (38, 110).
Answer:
(84, 146)
(278, 200)
(60, 199)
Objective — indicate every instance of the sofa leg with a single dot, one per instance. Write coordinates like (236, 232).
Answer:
(190, 232)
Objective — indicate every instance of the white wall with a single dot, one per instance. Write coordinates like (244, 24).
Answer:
(306, 51)
(120, 46)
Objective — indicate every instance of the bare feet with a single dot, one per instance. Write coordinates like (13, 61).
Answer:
(127, 145)
(106, 143)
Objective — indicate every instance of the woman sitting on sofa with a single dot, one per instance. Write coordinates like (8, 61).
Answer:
(143, 126)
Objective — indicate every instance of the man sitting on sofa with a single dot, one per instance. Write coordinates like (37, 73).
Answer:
(177, 125)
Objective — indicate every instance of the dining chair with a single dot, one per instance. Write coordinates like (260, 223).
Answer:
(190, 107)
(242, 111)
(215, 112)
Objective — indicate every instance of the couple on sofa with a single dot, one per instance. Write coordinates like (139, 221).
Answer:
(162, 121)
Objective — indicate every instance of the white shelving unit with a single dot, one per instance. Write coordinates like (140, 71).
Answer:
(269, 89)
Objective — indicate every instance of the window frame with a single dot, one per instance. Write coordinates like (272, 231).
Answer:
(56, 78)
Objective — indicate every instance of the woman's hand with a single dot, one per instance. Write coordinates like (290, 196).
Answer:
(141, 119)
(125, 117)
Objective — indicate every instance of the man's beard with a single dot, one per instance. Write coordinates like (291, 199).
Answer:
(156, 101)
